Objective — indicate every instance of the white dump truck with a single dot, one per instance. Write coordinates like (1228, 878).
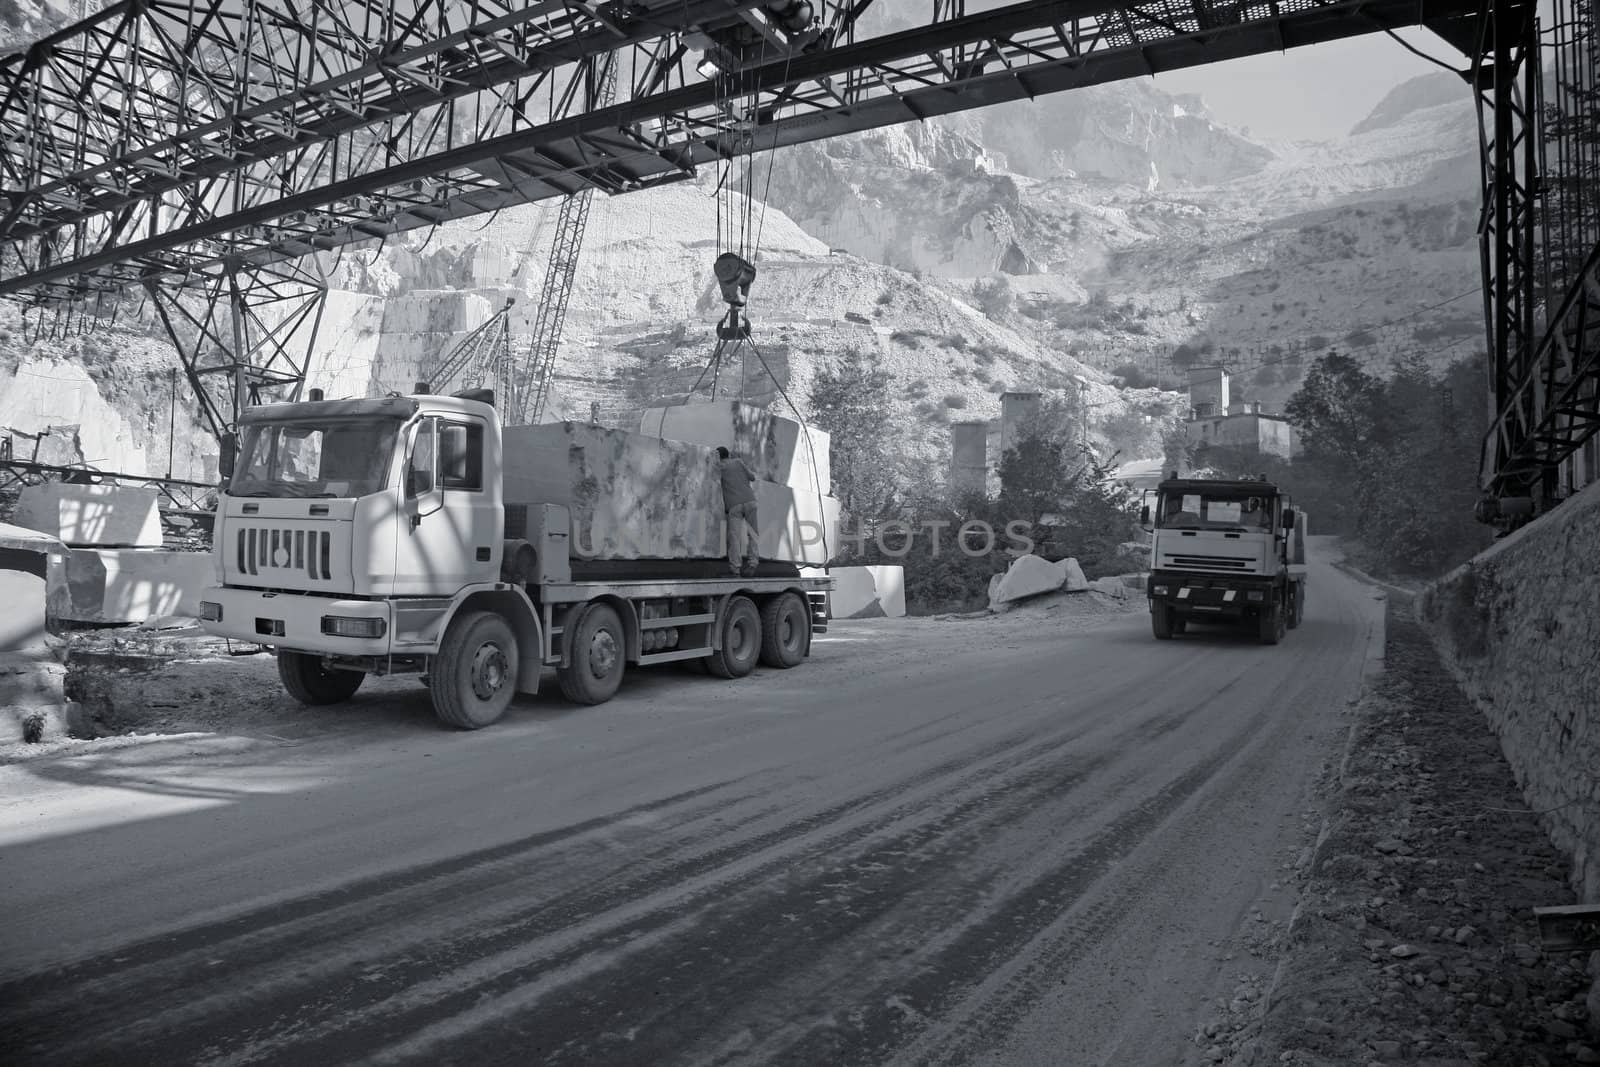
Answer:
(415, 534)
(1225, 549)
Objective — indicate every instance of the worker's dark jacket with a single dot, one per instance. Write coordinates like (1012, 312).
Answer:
(738, 484)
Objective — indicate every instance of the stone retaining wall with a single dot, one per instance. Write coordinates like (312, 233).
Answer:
(1520, 626)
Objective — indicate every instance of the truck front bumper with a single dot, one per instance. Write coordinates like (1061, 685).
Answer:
(1230, 597)
(298, 622)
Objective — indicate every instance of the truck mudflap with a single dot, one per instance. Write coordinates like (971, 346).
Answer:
(1215, 597)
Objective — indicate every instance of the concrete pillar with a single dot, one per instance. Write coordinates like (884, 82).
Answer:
(1208, 390)
(969, 457)
(1015, 411)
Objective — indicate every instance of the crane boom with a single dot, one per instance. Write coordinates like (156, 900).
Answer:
(550, 319)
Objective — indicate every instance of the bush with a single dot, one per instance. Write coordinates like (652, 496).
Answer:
(955, 400)
(1135, 377)
(994, 296)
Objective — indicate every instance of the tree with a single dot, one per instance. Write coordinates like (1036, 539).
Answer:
(994, 296)
(1339, 411)
(848, 398)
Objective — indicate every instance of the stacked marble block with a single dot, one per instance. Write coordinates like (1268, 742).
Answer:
(99, 516)
(111, 568)
(654, 496)
(798, 519)
(33, 701)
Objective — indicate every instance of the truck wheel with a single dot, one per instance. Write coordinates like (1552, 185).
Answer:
(741, 640)
(1270, 625)
(308, 681)
(1296, 609)
(785, 631)
(598, 656)
(1161, 621)
(474, 676)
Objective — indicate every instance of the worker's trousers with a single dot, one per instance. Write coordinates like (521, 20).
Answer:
(743, 542)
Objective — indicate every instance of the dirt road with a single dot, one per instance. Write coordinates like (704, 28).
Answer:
(1012, 840)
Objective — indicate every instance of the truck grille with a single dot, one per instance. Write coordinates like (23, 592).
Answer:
(299, 552)
(1214, 563)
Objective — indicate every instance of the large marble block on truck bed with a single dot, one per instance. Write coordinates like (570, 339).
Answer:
(796, 526)
(630, 496)
(776, 448)
(91, 515)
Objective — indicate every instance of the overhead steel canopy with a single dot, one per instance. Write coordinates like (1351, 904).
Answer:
(162, 137)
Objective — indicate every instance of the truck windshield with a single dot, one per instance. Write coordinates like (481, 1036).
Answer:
(1204, 511)
(322, 458)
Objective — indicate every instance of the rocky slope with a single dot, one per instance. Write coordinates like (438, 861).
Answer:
(1128, 222)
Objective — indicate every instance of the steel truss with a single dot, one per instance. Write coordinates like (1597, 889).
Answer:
(1541, 255)
(444, 130)
(243, 333)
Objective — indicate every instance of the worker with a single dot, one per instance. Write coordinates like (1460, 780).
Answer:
(739, 500)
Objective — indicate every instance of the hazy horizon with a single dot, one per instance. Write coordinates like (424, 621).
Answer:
(1315, 93)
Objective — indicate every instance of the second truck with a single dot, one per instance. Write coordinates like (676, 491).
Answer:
(388, 536)
(1225, 550)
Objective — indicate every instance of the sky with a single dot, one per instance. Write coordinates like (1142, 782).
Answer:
(1315, 93)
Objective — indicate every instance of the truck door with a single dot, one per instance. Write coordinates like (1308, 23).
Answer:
(451, 533)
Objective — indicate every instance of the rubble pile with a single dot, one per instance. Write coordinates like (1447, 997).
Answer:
(1415, 940)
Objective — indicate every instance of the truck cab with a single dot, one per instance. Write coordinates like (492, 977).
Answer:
(1220, 550)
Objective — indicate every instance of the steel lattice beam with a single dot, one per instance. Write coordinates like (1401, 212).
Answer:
(1541, 225)
(352, 187)
(243, 334)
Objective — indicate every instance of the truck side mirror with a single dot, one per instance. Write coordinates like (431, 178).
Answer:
(418, 481)
(1288, 518)
(229, 443)
(1144, 515)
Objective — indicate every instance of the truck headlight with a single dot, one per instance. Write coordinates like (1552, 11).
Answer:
(344, 626)
(210, 612)
(1159, 590)
(1256, 594)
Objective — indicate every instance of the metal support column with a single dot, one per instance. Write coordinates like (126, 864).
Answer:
(244, 334)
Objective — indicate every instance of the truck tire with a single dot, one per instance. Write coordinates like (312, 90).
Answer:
(1270, 625)
(599, 654)
(1296, 607)
(741, 640)
(1161, 621)
(474, 676)
(785, 631)
(308, 681)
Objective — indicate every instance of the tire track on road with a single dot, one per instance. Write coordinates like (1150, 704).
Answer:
(461, 1021)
